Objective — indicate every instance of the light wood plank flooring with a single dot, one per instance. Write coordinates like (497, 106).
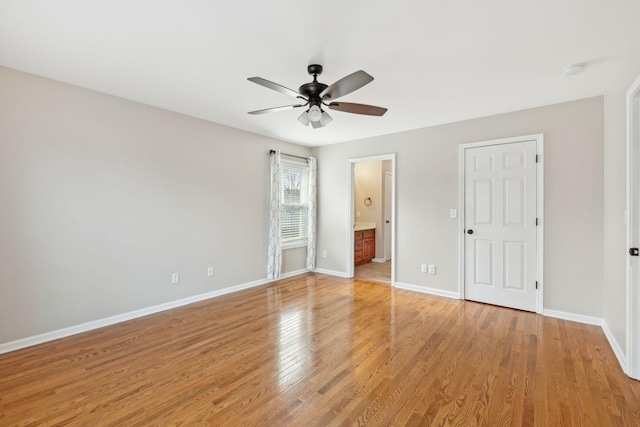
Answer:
(316, 350)
(378, 271)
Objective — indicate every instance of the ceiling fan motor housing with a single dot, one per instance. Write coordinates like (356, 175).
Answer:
(312, 91)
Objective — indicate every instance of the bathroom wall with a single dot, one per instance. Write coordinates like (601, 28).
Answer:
(369, 183)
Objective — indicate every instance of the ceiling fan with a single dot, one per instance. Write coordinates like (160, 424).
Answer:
(316, 95)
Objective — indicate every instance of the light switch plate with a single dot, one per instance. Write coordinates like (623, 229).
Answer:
(453, 213)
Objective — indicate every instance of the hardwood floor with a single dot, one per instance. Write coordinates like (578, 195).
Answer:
(378, 271)
(319, 350)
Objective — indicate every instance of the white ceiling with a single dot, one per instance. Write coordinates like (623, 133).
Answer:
(434, 61)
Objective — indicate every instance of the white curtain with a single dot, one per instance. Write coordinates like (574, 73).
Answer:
(312, 212)
(274, 253)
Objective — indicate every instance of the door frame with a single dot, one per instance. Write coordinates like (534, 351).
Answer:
(633, 193)
(350, 211)
(539, 138)
(387, 256)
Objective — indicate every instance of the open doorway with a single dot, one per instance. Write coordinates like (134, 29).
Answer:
(371, 218)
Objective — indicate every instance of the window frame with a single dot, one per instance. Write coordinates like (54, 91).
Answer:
(302, 239)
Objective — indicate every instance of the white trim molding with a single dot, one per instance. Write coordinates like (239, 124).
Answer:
(331, 273)
(292, 273)
(615, 346)
(427, 290)
(580, 318)
(112, 320)
(632, 340)
(596, 321)
(298, 243)
(107, 321)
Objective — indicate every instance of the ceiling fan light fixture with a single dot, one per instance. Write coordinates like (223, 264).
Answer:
(314, 113)
(325, 119)
(317, 94)
(304, 118)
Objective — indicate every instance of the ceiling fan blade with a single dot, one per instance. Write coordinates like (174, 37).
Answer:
(276, 109)
(274, 86)
(348, 107)
(346, 85)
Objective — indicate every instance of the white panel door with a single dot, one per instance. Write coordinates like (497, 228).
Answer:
(500, 225)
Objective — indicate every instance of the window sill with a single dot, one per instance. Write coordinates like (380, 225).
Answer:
(294, 244)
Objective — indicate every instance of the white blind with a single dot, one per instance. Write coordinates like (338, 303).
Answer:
(294, 201)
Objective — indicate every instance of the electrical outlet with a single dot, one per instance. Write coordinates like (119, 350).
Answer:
(210, 271)
(423, 268)
(432, 269)
(358, 214)
(324, 253)
(175, 278)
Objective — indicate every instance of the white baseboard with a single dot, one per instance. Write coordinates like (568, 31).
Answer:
(293, 273)
(591, 320)
(580, 318)
(107, 321)
(331, 272)
(378, 260)
(427, 290)
(622, 359)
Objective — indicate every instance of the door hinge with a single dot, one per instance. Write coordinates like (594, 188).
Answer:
(536, 158)
(536, 222)
(536, 284)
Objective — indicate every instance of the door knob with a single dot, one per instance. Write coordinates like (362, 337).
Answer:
(634, 251)
(469, 231)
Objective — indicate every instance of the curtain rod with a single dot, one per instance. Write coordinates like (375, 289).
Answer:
(289, 155)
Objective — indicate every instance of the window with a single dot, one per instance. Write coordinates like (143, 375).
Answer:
(294, 203)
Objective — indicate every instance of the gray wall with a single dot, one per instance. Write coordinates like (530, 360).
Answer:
(427, 187)
(615, 185)
(103, 199)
